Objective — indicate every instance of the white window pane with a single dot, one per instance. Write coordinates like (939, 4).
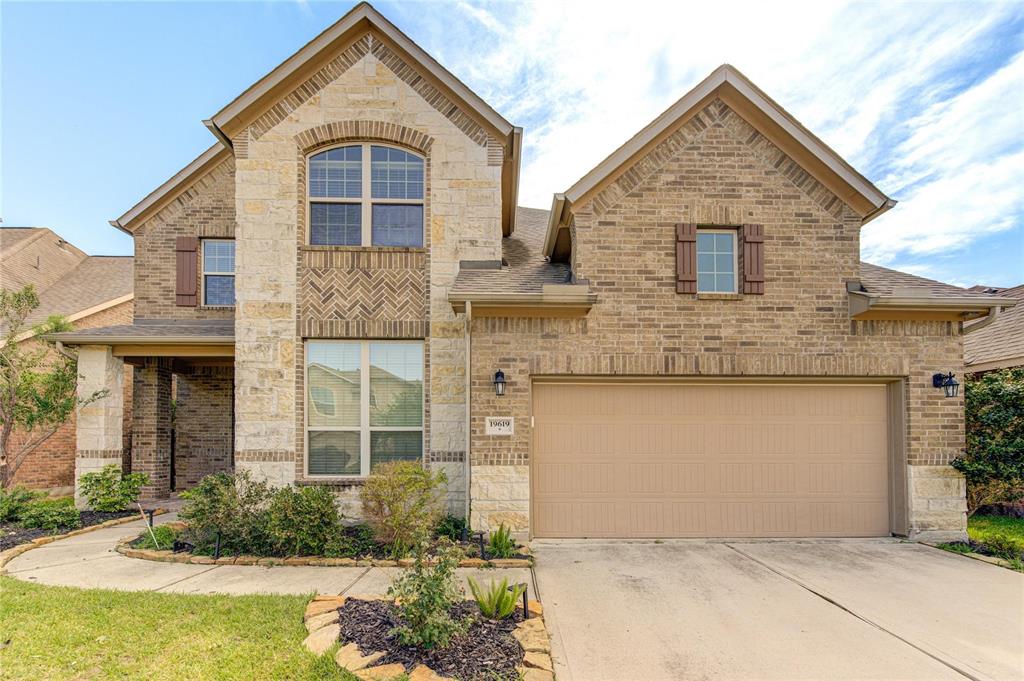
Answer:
(335, 224)
(705, 242)
(705, 282)
(705, 262)
(395, 174)
(723, 263)
(336, 173)
(219, 256)
(396, 225)
(334, 453)
(333, 369)
(396, 384)
(723, 243)
(723, 283)
(218, 289)
(395, 446)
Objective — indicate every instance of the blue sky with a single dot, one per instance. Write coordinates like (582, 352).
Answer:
(102, 102)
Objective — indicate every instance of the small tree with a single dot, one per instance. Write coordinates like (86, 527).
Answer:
(37, 382)
(402, 503)
(994, 461)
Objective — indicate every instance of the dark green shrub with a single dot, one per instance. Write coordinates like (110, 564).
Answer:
(402, 503)
(109, 490)
(165, 537)
(451, 526)
(233, 505)
(354, 541)
(501, 544)
(498, 601)
(425, 594)
(13, 502)
(302, 521)
(50, 514)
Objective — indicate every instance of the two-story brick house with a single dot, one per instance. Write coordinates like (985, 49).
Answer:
(686, 345)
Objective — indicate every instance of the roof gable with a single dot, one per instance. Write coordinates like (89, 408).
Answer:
(755, 107)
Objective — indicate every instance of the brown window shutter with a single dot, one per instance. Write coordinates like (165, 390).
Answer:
(187, 274)
(752, 237)
(686, 257)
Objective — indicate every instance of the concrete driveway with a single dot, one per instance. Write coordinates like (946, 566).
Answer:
(778, 610)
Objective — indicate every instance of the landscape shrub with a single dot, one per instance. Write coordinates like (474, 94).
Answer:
(499, 600)
(353, 541)
(425, 594)
(451, 526)
(234, 506)
(109, 490)
(302, 521)
(402, 502)
(13, 502)
(165, 537)
(501, 544)
(50, 514)
(1003, 546)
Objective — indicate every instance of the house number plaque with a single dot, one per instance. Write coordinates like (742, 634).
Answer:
(500, 425)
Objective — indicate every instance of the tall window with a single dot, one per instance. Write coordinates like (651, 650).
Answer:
(716, 260)
(364, 405)
(218, 272)
(355, 203)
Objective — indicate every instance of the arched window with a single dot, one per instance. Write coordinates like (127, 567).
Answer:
(355, 203)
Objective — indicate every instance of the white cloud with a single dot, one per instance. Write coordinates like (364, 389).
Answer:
(882, 83)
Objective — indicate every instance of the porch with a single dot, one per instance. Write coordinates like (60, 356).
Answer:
(182, 402)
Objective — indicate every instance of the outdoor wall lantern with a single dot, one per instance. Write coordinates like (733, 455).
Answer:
(499, 382)
(948, 384)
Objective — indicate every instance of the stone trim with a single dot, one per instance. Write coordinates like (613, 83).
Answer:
(263, 455)
(311, 139)
(415, 329)
(99, 454)
(446, 457)
(310, 87)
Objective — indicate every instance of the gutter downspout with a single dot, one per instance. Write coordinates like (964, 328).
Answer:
(993, 314)
(469, 408)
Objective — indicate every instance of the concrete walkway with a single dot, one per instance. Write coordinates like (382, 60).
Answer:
(89, 561)
(871, 609)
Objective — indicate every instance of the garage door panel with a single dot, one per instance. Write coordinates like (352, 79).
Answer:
(736, 460)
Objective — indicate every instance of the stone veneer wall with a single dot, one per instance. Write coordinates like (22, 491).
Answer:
(288, 291)
(204, 428)
(718, 171)
(99, 424)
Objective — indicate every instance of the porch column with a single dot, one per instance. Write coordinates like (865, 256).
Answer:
(98, 425)
(151, 426)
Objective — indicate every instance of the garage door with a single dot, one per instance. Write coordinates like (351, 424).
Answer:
(702, 460)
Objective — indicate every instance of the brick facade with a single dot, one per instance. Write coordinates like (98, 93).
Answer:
(203, 424)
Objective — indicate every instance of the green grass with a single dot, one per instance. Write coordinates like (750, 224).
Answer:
(66, 633)
(983, 528)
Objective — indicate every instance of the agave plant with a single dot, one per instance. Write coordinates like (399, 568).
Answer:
(499, 600)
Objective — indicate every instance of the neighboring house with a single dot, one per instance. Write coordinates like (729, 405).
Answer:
(88, 291)
(690, 344)
(998, 344)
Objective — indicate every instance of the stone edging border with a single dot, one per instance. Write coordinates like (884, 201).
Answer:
(321, 621)
(991, 560)
(125, 549)
(15, 551)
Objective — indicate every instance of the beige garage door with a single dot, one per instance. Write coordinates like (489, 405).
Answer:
(702, 460)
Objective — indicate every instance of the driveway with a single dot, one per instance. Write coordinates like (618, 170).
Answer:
(778, 610)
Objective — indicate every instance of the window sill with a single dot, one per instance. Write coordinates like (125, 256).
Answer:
(348, 481)
(216, 307)
(356, 249)
(719, 296)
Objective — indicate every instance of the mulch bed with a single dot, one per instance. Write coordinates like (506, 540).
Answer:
(12, 534)
(487, 651)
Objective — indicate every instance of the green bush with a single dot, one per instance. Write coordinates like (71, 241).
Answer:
(451, 526)
(13, 502)
(109, 490)
(402, 502)
(50, 515)
(425, 594)
(165, 537)
(354, 541)
(303, 521)
(233, 505)
(1003, 546)
(499, 600)
(501, 544)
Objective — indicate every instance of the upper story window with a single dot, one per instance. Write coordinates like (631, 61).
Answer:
(218, 272)
(353, 202)
(716, 261)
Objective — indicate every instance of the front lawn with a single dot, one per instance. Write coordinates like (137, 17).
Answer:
(982, 528)
(67, 633)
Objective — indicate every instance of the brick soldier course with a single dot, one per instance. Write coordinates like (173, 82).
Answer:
(601, 288)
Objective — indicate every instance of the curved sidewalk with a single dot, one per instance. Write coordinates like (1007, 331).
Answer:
(89, 561)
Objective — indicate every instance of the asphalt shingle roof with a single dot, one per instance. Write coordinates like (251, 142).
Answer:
(96, 280)
(1003, 339)
(886, 282)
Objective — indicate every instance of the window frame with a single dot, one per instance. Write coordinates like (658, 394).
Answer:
(734, 235)
(364, 428)
(203, 273)
(365, 200)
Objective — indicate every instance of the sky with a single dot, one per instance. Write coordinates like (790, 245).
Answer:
(102, 102)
